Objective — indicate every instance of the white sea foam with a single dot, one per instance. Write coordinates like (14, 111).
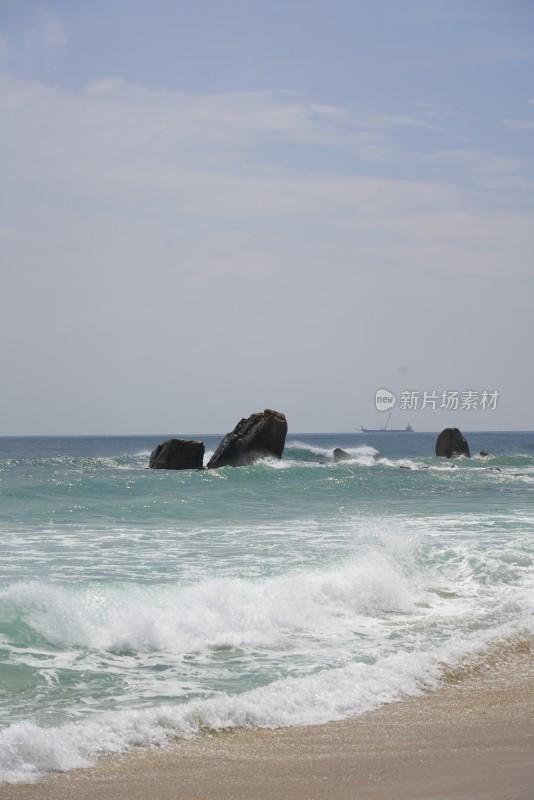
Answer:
(210, 613)
(365, 453)
(357, 613)
(28, 750)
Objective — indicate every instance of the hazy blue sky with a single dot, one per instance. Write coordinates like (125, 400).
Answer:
(209, 208)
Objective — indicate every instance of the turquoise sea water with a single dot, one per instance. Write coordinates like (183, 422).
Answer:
(137, 606)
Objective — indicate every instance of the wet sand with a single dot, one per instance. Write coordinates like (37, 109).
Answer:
(473, 739)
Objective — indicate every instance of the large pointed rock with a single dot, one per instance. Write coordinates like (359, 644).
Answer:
(451, 443)
(259, 436)
(178, 454)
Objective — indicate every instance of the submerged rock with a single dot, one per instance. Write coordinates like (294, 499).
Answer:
(341, 455)
(178, 454)
(451, 443)
(258, 436)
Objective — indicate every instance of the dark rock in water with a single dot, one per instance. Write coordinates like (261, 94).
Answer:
(485, 453)
(178, 454)
(451, 443)
(342, 455)
(262, 435)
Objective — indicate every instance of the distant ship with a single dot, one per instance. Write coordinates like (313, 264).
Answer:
(385, 429)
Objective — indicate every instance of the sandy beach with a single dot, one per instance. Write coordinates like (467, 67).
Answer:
(473, 739)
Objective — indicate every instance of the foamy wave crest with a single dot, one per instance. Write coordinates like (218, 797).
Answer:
(362, 452)
(27, 750)
(210, 613)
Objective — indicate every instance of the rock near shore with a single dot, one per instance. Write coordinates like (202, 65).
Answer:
(178, 454)
(259, 436)
(451, 443)
(342, 455)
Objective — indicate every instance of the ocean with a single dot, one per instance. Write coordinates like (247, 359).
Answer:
(141, 606)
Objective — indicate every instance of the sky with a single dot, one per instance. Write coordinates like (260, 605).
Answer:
(211, 208)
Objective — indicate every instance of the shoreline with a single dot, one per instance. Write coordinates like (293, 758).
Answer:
(471, 739)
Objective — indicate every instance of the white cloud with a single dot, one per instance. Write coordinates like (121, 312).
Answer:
(153, 228)
(385, 121)
(242, 118)
(47, 33)
(210, 157)
(480, 162)
(120, 140)
(519, 124)
(433, 111)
